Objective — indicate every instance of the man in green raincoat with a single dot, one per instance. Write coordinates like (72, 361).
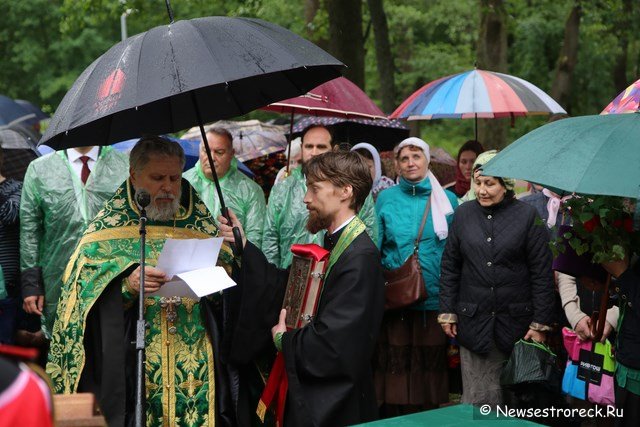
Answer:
(95, 322)
(241, 194)
(61, 194)
(287, 215)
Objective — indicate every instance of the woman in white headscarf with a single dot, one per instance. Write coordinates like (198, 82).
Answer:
(372, 157)
(411, 372)
(293, 159)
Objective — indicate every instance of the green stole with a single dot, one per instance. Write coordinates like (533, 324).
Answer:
(355, 228)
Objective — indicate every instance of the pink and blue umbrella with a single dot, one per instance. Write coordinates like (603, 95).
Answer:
(628, 101)
(476, 94)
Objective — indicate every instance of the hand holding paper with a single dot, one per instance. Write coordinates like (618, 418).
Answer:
(190, 268)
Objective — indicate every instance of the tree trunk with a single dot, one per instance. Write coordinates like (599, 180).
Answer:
(492, 56)
(311, 8)
(384, 57)
(567, 59)
(346, 41)
(622, 26)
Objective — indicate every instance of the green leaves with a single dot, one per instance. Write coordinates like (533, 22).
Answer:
(599, 228)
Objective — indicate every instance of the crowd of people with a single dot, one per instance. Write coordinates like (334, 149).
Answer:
(69, 248)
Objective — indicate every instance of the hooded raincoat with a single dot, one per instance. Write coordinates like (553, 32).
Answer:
(399, 210)
(55, 210)
(241, 194)
(287, 216)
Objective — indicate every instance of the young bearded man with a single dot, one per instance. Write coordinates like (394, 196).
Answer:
(327, 362)
(287, 215)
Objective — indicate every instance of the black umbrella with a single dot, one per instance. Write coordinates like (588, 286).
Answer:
(18, 151)
(382, 134)
(32, 108)
(11, 112)
(152, 83)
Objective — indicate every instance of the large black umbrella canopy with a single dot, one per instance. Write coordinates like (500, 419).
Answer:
(147, 83)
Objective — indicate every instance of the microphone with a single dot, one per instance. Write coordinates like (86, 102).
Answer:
(143, 198)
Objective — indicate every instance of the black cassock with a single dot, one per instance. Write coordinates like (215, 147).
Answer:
(328, 362)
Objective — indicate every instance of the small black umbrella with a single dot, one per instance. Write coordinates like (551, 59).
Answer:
(32, 108)
(18, 151)
(382, 134)
(12, 113)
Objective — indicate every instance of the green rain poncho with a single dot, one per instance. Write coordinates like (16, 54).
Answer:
(55, 209)
(287, 216)
(243, 196)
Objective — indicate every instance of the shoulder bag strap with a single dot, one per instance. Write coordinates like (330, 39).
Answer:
(424, 221)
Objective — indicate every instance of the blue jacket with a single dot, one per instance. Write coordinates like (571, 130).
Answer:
(399, 210)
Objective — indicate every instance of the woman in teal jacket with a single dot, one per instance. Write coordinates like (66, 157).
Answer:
(411, 370)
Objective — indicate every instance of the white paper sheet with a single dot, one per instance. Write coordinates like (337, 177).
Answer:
(206, 281)
(182, 255)
(191, 265)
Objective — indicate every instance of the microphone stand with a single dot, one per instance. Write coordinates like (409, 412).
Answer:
(141, 328)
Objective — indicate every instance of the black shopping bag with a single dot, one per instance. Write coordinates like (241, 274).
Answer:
(531, 363)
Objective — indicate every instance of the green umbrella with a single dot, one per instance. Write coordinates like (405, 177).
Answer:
(588, 155)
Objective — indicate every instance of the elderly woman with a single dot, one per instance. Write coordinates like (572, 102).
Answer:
(411, 370)
(496, 285)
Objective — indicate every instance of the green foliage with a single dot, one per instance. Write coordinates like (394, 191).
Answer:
(537, 33)
(602, 228)
(45, 44)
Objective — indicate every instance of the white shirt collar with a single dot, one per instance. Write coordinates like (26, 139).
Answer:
(74, 155)
(343, 225)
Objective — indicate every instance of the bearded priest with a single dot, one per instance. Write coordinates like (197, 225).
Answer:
(327, 362)
(91, 347)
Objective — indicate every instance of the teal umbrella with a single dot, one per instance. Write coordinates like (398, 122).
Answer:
(588, 155)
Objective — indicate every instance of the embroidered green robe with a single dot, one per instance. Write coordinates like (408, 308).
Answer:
(179, 356)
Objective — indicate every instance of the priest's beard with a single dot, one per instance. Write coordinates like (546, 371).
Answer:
(166, 212)
(317, 222)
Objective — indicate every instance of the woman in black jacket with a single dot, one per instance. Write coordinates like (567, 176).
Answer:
(496, 283)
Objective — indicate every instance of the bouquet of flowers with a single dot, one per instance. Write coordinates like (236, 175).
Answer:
(603, 227)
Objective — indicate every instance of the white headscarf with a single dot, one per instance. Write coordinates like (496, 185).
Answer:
(376, 160)
(440, 204)
(296, 148)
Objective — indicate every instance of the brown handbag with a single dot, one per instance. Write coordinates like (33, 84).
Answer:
(404, 286)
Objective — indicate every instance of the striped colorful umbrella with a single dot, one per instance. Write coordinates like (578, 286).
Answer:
(476, 94)
(628, 101)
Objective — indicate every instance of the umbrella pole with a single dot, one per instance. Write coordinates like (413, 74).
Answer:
(237, 248)
(289, 147)
(169, 11)
(476, 126)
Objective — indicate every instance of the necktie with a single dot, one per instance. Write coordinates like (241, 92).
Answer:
(84, 174)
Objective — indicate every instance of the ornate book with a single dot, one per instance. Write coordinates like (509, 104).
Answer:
(304, 286)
